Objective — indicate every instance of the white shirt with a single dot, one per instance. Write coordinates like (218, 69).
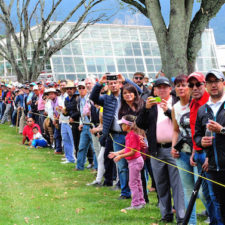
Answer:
(49, 109)
(61, 102)
(215, 106)
(38, 136)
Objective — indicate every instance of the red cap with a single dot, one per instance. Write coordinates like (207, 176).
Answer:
(198, 76)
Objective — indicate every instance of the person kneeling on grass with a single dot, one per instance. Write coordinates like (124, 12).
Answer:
(134, 159)
(38, 140)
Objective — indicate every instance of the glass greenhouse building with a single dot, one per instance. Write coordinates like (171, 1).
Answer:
(113, 48)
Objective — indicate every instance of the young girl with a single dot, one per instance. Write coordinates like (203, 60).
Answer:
(134, 159)
(38, 140)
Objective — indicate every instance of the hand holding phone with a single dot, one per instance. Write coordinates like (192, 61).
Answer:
(150, 102)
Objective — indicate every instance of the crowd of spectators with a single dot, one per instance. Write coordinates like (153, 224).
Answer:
(111, 122)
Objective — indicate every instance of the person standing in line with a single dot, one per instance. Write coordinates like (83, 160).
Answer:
(54, 116)
(197, 86)
(155, 118)
(69, 127)
(182, 140)
(111, 105)
(8, 103)
(138, 78)
(210, 136)
(134, 159)
(84, 127)
(41, 105)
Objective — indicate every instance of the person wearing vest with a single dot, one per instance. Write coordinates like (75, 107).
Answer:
(155, 119)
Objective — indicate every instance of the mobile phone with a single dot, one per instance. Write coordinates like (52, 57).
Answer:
(155, 99)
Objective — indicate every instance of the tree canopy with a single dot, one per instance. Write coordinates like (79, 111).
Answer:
(180, 41)
(19, 31)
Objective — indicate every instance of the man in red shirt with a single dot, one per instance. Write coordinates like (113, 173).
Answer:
(198, 158)
(28, 130)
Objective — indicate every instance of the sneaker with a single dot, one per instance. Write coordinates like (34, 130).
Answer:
(203, 213)
(89, 166)
(135, 207)
(63, 159)
(66, 162)
(123, 197)
(94, 183)
(11, 126)
(115, 188)
(207, 220)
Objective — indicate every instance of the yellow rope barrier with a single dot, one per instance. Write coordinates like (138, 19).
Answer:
(180, 168)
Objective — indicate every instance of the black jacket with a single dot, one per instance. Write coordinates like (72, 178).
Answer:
(72, 108)
(215, 153)
(147, 120)
(33, 104)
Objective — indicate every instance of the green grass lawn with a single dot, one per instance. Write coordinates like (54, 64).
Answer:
(36, 189)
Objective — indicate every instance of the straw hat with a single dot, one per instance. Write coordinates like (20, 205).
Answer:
(51, 90)
(70, 84)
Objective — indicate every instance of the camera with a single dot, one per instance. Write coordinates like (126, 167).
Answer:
(111, 76)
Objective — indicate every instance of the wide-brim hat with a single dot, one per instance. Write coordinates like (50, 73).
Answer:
(70, 84)
(51, 90)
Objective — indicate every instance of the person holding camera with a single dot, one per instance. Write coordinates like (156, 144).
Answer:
(209, 135)
(155, 118)
(111, 105)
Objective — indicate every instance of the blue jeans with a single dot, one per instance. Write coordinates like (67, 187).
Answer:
(14, 116)
(41, 143)
(58, 139)
(188, 181)
(67, 139)
(122, 165)
(210, 203)
(0, 110)
(85, 143)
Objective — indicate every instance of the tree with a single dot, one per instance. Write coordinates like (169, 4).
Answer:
(180, 42)
(28, 12)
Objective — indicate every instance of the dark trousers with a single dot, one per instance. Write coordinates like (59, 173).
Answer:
(35, 117)
(3, 109)
(219, 191)
(76, 137)
(58, 139)
(144, 185)
(110, 167)
(149, 168)
(41, 120)
(90, 155)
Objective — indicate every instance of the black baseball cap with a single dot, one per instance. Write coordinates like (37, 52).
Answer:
(162, 80)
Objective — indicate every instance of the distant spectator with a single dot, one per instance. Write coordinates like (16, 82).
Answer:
(28, 130)
(38, 140)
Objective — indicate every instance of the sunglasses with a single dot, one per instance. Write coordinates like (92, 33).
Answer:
(138, 78)
(210, 82)
(80, 88)
(191, 85)
(69, 88)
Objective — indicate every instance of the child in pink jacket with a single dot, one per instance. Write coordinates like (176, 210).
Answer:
(134, 159)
